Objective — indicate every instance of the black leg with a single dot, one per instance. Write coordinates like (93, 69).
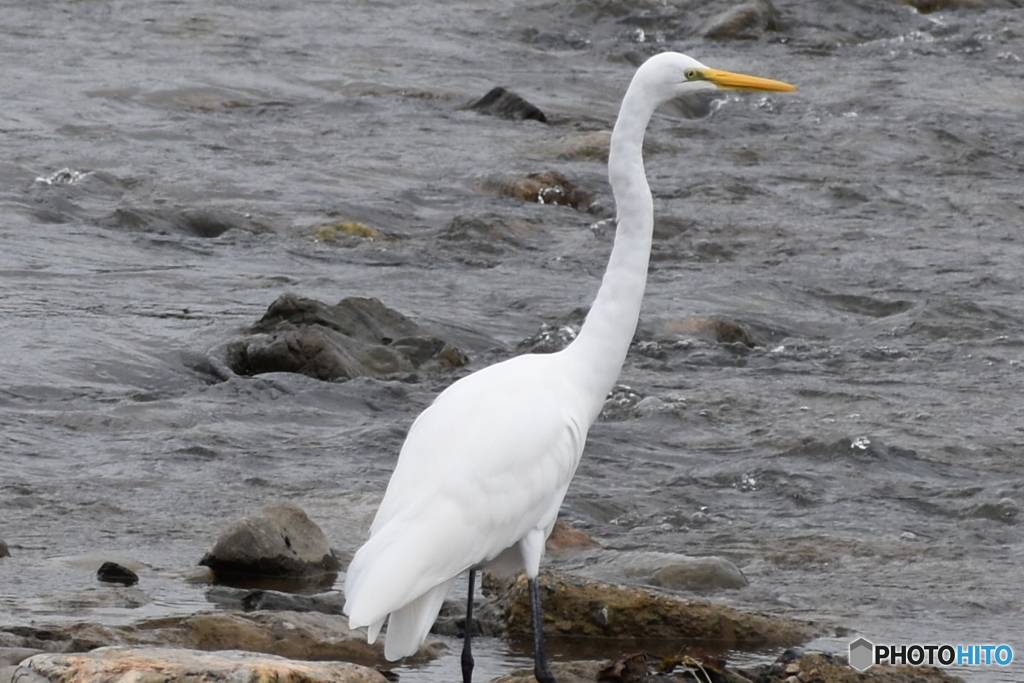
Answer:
(467, 653)
(540, 657)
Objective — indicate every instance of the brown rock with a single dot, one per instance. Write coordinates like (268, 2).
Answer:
(295, 635)
(547, 187)
(167, 665)
(588, 608)
(564, 537)
(348, 229)
(721, 331)
(286, 634)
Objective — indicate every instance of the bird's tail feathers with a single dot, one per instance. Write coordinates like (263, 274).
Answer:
(373, 630)
(387, 574)
(379, 584)
(408, 626)
(380, 579)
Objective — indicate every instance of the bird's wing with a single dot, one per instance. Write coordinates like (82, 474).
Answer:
(489, 461)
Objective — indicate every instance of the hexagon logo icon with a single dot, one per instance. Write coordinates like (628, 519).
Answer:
(862, 654)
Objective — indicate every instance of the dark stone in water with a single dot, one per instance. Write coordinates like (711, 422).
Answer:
(482, 241)
(357, 337)
(111, 572)
(508, 105)
(4, 552)
(278, 542)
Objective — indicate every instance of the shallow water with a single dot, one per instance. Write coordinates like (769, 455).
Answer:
(166, 165)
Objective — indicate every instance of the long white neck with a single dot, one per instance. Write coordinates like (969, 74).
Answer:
(600, 349)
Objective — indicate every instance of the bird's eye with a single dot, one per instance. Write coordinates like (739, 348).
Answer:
(691, 74)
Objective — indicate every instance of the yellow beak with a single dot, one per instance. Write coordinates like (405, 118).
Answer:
(727, 79)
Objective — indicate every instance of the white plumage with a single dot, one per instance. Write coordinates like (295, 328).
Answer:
(468, 485)
(485, 468)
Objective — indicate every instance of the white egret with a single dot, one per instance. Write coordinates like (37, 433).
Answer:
(484, 469)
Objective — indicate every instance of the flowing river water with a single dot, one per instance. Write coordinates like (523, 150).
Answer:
(166, 166)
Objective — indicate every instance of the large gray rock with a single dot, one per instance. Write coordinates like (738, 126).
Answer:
(167, 665)
(357, 337)
(278, 542)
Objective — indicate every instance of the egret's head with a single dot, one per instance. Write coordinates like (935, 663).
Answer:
(672, 74)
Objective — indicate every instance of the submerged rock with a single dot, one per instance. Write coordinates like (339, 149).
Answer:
(491, 234)
(588, 146)
(508, 105)
(206, 223)
(357, 337)
(167, 665)
(336, 231)
(278, 542)
(712, 329)
(680, 572)
(746, 21)
(579, 607)
(4, 552)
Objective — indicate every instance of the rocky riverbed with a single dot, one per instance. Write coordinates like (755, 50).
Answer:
(269, 635)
